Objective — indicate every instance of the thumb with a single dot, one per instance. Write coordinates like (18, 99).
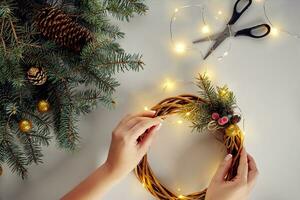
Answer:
(148, 138)
(223, 168)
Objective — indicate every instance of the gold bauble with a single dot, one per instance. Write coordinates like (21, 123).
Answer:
(25, 125)
(233, 130)
(43, 106)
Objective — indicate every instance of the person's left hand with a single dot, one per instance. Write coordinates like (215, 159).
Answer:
(131, 140)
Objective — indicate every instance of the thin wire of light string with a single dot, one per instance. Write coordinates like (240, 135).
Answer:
(173, 18)
(203, 10)
(297, 36)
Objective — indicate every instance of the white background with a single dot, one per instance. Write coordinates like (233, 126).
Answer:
(264, 74)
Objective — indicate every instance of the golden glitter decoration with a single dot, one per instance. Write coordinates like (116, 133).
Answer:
(25, 126)
(43, 106)
(233, 130)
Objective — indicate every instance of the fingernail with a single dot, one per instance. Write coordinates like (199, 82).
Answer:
(228, 157)
(153, 111)
(159, 126)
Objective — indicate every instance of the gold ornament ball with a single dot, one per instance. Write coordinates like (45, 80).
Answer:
(25, 125)
(233, 130)
(43, 106)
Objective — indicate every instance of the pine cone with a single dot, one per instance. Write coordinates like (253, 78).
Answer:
(36, 75)
(55, 25)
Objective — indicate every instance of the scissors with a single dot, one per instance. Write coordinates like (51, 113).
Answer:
(261, 30)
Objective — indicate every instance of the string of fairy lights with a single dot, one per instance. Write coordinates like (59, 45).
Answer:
(181, 48)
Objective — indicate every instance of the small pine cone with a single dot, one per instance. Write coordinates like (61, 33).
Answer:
(55, 25)
(36, 75)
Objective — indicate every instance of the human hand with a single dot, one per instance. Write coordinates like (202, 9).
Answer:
(240, 187)
(126, 150)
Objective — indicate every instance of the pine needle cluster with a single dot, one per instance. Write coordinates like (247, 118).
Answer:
(77, 81)
(219, 100)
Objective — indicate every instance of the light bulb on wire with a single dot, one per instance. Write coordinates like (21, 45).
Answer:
(179, 121)
(205, 29)
(274, 31)
(180, 48)
(168, 85)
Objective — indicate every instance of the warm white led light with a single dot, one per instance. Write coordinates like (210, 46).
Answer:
(180, 48)
(205, 29)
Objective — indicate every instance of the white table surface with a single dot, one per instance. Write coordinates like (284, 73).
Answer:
(264, 74)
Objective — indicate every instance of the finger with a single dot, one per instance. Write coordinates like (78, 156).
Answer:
(242, 172)
(148, 113)
(143, 125)
(133, 121)
(223, 169)
(147, 140)
(253, 171)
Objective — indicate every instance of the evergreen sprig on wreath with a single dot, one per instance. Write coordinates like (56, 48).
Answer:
(212, 110)
(48, 50)
(216, 114)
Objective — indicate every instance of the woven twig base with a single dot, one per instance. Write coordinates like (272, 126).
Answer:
(143, 171)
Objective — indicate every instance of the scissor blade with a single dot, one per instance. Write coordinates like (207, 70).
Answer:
(208, 38)
(225, 34)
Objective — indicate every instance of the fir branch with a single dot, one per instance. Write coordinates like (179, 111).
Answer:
(23, 46)
(87, 100)
(39, 138)
(125, 9)
(64, 124)
(207, 90)
(31, 149)
(121, 62)
(15, 158)
(104, 82)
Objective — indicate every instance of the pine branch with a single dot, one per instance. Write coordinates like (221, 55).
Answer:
(122, 62)
(104, 82)
(24, 45)
(88, 99)
(32, 150)
(125, 9)
(207, 90)
(40, 139)
(15, 159)
(64, 124)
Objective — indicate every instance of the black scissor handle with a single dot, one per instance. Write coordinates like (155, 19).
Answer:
(236, 14)
(262, 30)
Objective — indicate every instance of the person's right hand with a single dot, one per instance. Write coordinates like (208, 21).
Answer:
(240, 187)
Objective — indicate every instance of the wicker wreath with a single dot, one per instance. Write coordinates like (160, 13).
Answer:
(232, 139)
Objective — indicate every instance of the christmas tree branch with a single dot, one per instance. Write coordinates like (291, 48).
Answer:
(39, 64)
(207, 91)
(14, 156)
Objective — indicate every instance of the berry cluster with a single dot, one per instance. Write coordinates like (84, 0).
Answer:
(224, 120)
